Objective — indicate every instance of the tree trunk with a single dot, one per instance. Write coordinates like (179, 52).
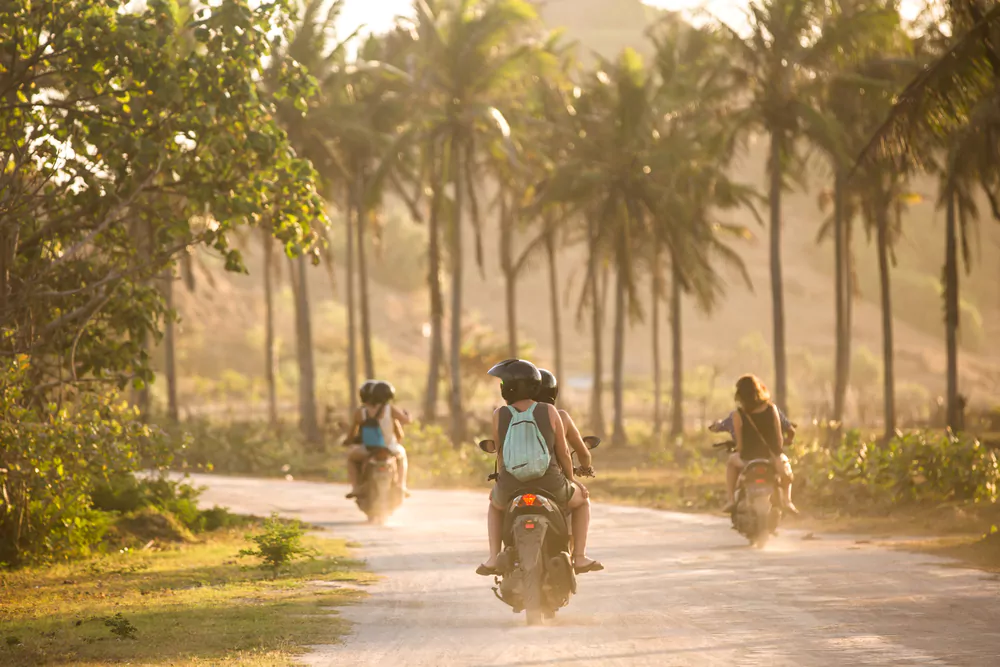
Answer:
(677, 422)
(550, 253)
(457, 414)
(777, 285)
(510, 280)
(352, 339)
(307, 368)
(366, 328)
(270, 353)
(434, 286)
(951, 308)
(842, 283)
(657, 380)
(170, 346)
(888, 355)
(596, 329)
(618, 436)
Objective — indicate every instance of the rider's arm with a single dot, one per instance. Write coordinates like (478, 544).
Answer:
(355, 427)
(397, 428)
(561, 448)
(777, 429)
(496, 437)
(738, 431)
(575, 440)
(401, 415)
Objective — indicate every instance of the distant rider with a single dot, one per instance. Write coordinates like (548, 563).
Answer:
(376, 398)
(757, 431)
(520, 382)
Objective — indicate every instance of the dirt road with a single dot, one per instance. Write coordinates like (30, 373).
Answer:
(679, 590)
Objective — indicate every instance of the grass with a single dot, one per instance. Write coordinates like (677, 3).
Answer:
(196, 604)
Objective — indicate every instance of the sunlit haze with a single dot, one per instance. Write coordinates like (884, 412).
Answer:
(378, 15)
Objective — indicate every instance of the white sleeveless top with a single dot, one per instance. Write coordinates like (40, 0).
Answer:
(387, 423)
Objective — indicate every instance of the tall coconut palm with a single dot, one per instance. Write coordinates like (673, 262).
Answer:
(951, 106)
(469, 52)
(607, 173)
(776, 66)
(853, 84)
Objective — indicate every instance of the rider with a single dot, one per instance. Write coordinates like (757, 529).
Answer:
(520, 382)
(376, 397)
(548, 393)
(757, 430)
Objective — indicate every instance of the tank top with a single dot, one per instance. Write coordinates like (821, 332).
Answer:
(385, 422)
(754, 446)
(544, 425)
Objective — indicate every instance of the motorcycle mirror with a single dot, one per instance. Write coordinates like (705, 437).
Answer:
(592, 441)
(488, 446)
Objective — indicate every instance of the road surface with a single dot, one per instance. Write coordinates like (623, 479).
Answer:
(678, 590)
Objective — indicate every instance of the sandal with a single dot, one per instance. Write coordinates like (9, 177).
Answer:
(592, 566)
(485, 571)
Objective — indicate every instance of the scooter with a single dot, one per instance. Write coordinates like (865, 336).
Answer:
(380, 493)
(758, 508)
(536, 563)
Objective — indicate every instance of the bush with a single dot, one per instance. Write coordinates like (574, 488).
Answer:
(913, 468)
(434, 461)
(51, 457)
(279, 544)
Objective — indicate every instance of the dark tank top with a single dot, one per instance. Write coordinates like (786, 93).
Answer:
(762, 442)
(544, 425)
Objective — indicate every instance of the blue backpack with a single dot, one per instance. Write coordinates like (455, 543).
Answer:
(525, 453)
(371, 431)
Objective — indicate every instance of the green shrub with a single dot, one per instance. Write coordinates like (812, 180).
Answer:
(435, 462)
(279, 544)
(50, 459)
(912, 468)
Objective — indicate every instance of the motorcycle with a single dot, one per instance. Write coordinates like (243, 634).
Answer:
(380, 493)
(758, 508)
(536, 563)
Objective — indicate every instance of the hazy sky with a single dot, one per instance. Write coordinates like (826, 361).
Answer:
(379, 14)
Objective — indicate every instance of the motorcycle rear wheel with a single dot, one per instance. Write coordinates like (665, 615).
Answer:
(533, 611)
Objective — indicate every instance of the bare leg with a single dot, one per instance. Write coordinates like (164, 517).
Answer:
(732, 477)
(579, 506)
(404, 469)
(494, 525)
(355, 460)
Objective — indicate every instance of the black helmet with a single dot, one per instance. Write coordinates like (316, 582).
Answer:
(519, 379)
(549, 391)
(365, 392)
(382, 392)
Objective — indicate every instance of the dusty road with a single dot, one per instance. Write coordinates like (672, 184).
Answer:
(679, 590)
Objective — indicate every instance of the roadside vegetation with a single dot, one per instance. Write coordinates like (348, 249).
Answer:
(179, 602)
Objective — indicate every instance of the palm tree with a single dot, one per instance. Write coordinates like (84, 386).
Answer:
(469, 54)
(608, 175)
(950, 107)
(790, 41)
(853, 88)
(694, 153)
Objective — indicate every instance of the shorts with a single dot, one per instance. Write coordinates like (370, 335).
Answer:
(553, 485)
(395, 449)
(781, 463)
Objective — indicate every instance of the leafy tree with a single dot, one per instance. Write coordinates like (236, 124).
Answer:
(111, 135)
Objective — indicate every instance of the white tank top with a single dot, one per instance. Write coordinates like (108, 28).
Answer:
(387, 423)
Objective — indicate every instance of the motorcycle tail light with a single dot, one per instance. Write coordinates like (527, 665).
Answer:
(530, 525)
(527, 500)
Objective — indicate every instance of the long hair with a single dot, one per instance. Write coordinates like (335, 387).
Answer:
(751, 393)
